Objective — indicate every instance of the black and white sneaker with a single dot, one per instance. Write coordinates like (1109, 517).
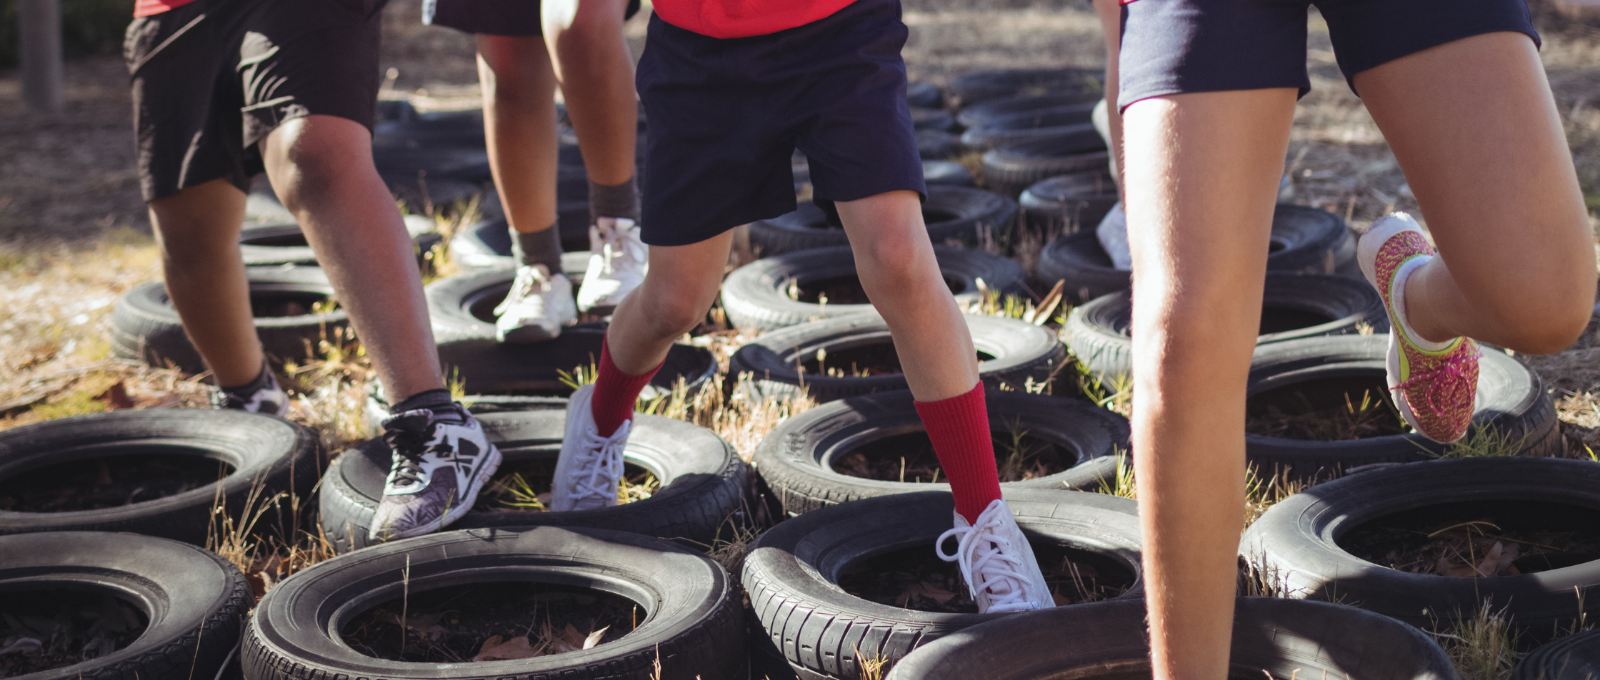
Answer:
(263, 396)
(441, 459)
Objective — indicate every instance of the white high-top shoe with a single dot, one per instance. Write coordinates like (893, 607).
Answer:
(618, 261)
(997, 563)
(538, 305)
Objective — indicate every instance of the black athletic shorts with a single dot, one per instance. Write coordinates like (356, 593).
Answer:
(213, 78)
(727, 114)
(493, 17)
(1178, 46)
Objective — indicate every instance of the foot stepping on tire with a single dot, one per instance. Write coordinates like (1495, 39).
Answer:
(837, 358)
(815, 459)
(688, 607)
(702, 482)
(159, 472)
(757, 295)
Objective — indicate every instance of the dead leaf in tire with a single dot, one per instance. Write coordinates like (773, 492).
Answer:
(496, 649)
(923, 589)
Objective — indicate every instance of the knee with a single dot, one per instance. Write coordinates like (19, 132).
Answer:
(1546, 320)
(587, 30)
(312, 172)
(891, 259)
(671, 312)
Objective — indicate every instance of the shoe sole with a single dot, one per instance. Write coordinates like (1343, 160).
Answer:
(452, 515)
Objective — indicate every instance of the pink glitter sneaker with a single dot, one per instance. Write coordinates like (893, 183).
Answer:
(1434, 386)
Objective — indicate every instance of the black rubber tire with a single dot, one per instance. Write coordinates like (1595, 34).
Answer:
(983, 86)
(989, 112)
(1014, 167)
(405, 160)
(1512, 402)
(1022, 352)
(268, 453)
(194, 602)
(694, 627)
(145, 326)
(937, 145)
(932, 119)
(952, 213)
(1294, 545)
(754, 295)
(795, 459)
(792, 570)
(1098, 332)
(1303, 240)
(479, 404)
(470, 353)
(1278, 638)
(946, 173)
(1049, 127)
(1576, 657)
(925, 95)
(270, 244)
(1069, 203)
(703, 482)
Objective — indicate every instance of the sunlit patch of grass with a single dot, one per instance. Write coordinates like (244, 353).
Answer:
(1121, 485)
(1114, 394)
(1485, 442)
(1483, 646)
(1261, 493)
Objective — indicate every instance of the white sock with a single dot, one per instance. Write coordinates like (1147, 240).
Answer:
(1398, 297)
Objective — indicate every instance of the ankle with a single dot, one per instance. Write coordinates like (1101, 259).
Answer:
(1412, 314)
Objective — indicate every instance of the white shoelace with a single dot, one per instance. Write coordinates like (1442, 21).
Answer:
(618, 243)
(605, 473)
(522, 287)
(985, 557)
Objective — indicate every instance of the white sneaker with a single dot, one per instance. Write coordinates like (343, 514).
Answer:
(618, 261)
(590, 466)
(538, 305)
(997, 562)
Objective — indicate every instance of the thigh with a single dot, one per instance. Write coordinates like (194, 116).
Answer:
(1475, 129)
(1369, 33)
(302, 58)
(1185, 46)
(715, 157)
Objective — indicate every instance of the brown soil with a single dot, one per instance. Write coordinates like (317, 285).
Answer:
(915, 578)
(273, 305)
(910, 458)
(457, 623)
(525, 486)
(63, 627)
(108, 482)
(1334, 409)
(1501, 538)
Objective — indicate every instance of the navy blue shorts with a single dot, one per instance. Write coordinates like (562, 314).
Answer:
(727, 114)
(1178, 46)
(493, 17)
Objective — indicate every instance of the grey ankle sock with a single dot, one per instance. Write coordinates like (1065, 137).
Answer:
(427, 399)
(540, 247)
(262, 381)
(621, 200)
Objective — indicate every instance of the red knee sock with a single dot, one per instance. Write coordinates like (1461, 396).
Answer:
(615, 393)
(959, 430)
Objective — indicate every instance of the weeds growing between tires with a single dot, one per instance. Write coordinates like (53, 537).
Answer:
(800, 573)
(682, 482)
(160, 472)
(350, 616)
(1430, 543)
(875, 445)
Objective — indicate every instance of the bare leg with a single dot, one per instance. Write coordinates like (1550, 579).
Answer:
(680, 287)
(321, 166)
(596, 75)
(1110, 12)
(198, 233)
(519, 120)
(1475, 128)
(1202, 174)
(901, 277)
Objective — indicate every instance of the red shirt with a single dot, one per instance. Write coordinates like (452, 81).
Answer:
(144, 8)
(742, 18)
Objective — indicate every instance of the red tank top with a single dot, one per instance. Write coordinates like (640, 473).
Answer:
(744, 18)
(144, 8)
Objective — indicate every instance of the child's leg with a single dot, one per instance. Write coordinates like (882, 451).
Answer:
(321, 167)
(1110, 12)
(198, 233)
(1475, 129)
(519, 122)
(596, 73)
(1199, 216)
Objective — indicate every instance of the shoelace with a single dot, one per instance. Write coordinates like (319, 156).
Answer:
(1451, 371)
(521, 287)
(980, 558)
(604, 474)
(407, 435)
(617, 243)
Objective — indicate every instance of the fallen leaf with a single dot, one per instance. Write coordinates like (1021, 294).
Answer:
(1445, 567)
(923, 589)
(1060, 601)
(568, 640)
(594, 638)
(116, 397)
(495, 649)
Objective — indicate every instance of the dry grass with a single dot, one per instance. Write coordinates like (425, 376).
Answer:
(1483, 646)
